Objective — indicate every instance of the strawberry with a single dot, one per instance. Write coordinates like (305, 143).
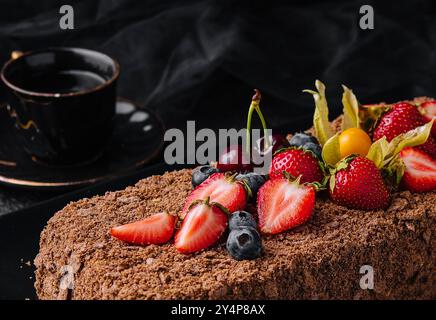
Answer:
(283, 204)
(156, 229)
(296, 162)
(203, 225)
(401, 118)
(428, 110)
(221, 188)
(358, 184)
(420, 171)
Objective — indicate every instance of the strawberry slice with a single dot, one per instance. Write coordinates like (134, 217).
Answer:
(203, 225)
(420, 172)
(220, 188)
(428, 110)
(156, 229)
(283, 204)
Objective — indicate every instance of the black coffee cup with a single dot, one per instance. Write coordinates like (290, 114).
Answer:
(63, 101)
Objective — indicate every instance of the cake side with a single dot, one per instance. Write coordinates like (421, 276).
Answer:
(320, 259)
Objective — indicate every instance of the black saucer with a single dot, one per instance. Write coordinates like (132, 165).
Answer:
(137, 139)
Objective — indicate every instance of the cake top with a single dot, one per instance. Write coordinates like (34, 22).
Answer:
(110, 269)
(358, 160)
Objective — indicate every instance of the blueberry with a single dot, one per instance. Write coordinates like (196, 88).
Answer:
(314, 147)
(201, 173)
(253, 180)
(244, 243)
(241, 219)
(299, 139)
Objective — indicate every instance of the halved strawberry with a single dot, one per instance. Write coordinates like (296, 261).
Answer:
(156, 229)
(420, 171)
(428, 110)
(283, 204)
(296, 162)
(203, 225)
(221, 188)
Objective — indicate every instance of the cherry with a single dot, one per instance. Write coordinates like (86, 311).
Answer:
(234, 159)
(277, 141)
(267, 145)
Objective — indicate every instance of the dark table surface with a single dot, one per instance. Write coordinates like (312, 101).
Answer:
(13, 200)
(201, 59)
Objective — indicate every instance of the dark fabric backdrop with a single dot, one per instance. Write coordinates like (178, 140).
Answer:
(200, 59)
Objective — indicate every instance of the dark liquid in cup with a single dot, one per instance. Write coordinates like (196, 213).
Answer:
(64, 81)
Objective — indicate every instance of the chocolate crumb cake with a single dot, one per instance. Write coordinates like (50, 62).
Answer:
(320, 259)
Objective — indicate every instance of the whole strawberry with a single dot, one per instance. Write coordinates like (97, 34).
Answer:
(296, 162)
(401, 118)
(358, 184)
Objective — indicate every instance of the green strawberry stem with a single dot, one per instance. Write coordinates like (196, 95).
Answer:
(199, 201)
(254, 106)
(230, 176)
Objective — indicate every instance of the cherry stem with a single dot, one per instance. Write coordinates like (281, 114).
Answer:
(254, 106)
(248, 133)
